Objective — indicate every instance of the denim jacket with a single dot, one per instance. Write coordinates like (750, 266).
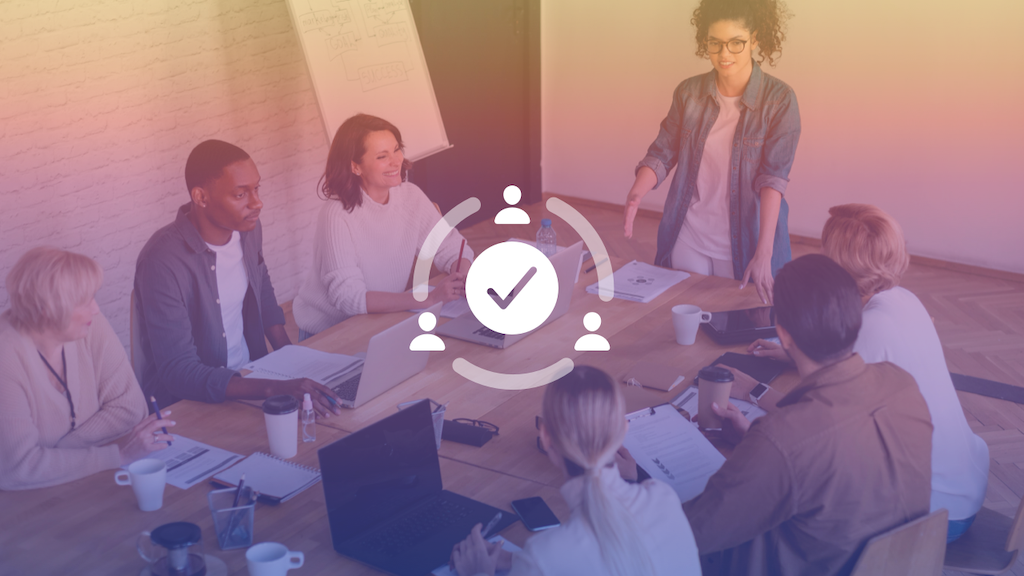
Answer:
(762, 155)
(183, 340)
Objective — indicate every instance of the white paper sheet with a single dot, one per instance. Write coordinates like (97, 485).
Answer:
(642, 282)
(505, 545)
(293, 362)
(671, 450)
(190, 462)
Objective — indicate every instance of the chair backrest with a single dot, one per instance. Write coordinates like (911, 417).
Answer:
(916, 548)
(135, 337)
(1015, 539)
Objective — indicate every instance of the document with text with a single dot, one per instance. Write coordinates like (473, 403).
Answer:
(293, 362)
(190, 462)
(672, 450)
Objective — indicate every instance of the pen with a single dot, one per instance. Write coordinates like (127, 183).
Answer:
(458, 263)
(490, 525)
(238, 492)
(595, 266)
(159, 416)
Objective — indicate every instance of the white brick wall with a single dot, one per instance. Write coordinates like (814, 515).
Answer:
(101, 102)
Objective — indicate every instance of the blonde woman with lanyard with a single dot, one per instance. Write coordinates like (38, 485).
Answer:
(615, 528)
(731, 135)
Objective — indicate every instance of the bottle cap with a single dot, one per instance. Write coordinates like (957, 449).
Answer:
(545, 222)
(307, 402)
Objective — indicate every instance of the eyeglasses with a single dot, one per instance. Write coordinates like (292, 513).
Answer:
(478, 423)
(735, 46)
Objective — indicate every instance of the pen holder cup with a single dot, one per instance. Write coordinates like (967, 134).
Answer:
(232, 524)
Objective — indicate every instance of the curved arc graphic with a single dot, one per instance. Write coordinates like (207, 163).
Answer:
(502, 381)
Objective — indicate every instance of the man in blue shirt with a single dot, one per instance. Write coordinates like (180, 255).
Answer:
(203, 294)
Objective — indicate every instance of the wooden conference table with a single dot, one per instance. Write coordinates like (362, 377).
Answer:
(90, 526)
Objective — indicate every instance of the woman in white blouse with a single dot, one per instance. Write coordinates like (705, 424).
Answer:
(370, 231)
(896, 328)
(614, 528)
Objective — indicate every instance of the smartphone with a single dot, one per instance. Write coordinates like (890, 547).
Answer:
(535, 514)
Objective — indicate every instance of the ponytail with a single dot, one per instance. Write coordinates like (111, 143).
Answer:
(584, 415)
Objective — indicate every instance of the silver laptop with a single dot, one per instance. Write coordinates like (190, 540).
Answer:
(388, 363)
(466, 327)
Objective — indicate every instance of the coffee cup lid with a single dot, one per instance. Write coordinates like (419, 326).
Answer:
(281, 404)
(176, 535)
(715, 374)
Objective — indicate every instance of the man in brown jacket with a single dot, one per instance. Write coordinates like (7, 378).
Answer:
(846, 456)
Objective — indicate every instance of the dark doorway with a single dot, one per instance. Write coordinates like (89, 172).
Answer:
(484, 62)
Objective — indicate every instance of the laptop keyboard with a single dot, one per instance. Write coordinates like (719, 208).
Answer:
(347, 389)
(415, 528)
(488, 333)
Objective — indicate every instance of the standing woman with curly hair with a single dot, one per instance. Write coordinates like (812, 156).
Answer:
(370, 231)
(731, 134)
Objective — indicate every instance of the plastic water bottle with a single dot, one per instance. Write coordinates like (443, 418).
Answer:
(546, 238)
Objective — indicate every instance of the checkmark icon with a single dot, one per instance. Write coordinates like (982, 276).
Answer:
(503, 303)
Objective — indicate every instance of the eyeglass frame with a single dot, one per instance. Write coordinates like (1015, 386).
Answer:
(492, 428)
(707, 46)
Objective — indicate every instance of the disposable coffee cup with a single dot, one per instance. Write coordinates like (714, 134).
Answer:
(272, 559)
(281, 414)
(686, 318)
(147, 477)
(713, 385)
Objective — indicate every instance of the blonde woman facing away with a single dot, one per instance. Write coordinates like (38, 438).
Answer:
(896, 328)
(370, 231)
(614, 528)
(69, 402)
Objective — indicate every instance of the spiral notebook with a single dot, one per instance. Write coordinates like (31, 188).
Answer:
(272, 477)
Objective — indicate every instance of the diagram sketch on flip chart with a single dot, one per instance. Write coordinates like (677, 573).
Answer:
(365, 56)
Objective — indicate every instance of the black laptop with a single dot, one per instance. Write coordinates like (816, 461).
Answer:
(385, 501)
(740, 326)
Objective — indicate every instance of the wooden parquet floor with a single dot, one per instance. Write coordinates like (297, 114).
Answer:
(980, 320)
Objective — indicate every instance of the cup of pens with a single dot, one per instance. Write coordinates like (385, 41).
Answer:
(233, 521)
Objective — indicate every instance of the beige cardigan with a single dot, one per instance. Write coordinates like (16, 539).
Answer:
(37, 446)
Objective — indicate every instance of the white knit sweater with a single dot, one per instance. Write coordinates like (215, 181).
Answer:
(371, 249)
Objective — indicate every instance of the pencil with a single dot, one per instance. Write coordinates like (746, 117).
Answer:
(595, 265)
(458, 263)
(159, 416)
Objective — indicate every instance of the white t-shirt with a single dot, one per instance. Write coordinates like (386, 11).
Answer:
(232, 284)
(706, 226)
(896, 328)
(572, 550)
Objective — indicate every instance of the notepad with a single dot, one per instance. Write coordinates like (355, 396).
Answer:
(670, 449)
(271, 476)
(642, 282)
(292, 362)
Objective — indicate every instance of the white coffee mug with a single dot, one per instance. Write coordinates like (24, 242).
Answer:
(687, 318)
(147, 477)
(272, 559)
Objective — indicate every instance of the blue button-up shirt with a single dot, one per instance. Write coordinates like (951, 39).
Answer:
(184, 344)
(762, 155)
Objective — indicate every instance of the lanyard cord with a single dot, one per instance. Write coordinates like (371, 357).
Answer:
(62, 381)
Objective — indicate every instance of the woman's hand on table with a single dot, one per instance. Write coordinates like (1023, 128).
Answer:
(474, 555)
(147, 436)
(452, 287)
(759, 273)
(765, 349)
(646, 179)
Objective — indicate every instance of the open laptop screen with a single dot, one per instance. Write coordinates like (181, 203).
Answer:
(373, 474)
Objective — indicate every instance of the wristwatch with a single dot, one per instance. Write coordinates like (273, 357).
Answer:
(758, 392)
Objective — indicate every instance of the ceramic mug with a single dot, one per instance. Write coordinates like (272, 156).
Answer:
(147, 477)
(272, 559)
(687, 318)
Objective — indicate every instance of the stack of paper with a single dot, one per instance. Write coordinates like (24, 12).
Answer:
(642, 282)
(671, 450)
(292, 362)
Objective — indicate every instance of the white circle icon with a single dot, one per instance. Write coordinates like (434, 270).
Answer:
(512, 288)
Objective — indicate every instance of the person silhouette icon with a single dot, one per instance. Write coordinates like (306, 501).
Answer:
(427, 342)
(512, 215)
(592, 342)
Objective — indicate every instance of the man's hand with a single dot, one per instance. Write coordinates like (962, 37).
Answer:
(734, 423)
(766, 349)
(320, 394)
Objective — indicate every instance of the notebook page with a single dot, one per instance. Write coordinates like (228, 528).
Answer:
(270, 476)
(672, 450)
(293, 362)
